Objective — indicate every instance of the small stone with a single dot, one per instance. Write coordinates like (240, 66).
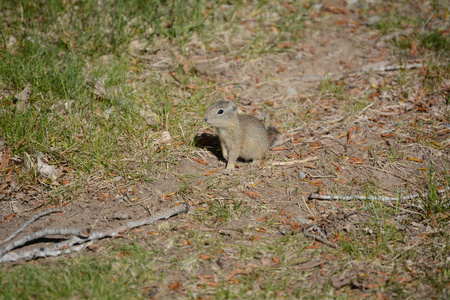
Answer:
(291, 91)
(119, 216)
(373, 20)
(117, 178)
(301, 175)
(15, 209)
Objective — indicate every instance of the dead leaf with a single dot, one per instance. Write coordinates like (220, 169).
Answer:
(316, 182)
(44, 169)
(355, 160)
(201, 161)
(387, 135)
(22, 98)
(252, 195)
(337, 10)
(175, 286)
(94, 248)
(239, 272)
(169, 196)
(315, 144)
(5, 158)
(166, 138)
(340, 180)
(295, 225)
(285, 45)
(186, 242)
(311, 265)
(233, 281)
(205, 277)
(414, 159)
(276, 260)
(261, 230)
(209, 172)
(315, 245)
(10, 216)
(338, 168)
(278, 149)
(349, 135)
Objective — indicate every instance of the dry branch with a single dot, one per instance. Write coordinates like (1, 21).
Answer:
(27, 223)
(37, 235)
(293, 162)
(373, 198)
(77, 243)
(387, 68)
(319, 239)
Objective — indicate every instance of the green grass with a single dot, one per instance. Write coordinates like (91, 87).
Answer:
(72, 125)
(123, 273)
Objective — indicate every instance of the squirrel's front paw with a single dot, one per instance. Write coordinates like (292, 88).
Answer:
(228, 171)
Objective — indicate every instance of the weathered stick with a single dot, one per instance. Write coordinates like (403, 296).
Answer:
(387, 68)
(373, 198)
(27, 223)
(293, 162)
(319, 239)
(77, 243)
(37, 235)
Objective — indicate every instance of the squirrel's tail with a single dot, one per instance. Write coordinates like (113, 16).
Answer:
(274, 137)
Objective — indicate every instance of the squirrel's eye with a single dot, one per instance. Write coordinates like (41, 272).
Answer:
(220, 111)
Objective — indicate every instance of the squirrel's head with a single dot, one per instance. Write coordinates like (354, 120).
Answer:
(221, 113)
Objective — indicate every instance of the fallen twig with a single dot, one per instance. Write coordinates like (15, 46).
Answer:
(373, 198)
(27, 223)
(293, 162)
(319, 239)
(310, 264)
(37, 235)
(78, 243)
(386, 68)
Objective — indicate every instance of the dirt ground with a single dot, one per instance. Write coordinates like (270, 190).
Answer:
(381, 146)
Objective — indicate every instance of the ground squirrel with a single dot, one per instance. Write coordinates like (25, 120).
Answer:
(240, 135)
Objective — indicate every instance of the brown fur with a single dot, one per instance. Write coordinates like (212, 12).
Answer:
(240, 135)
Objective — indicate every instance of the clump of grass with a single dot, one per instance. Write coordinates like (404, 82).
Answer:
(436, 40)
(434, 203)
(123, 274)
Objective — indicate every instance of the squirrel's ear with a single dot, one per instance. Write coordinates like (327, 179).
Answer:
(233, 105)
